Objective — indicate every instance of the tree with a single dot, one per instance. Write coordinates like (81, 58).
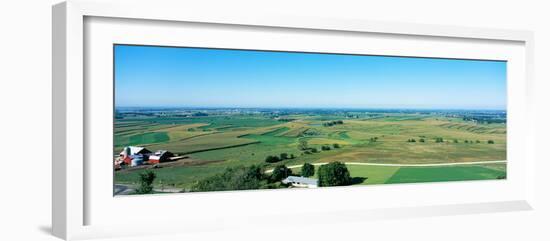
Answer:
(336, 145)
(302, 144)
(146, 182)
(439, 140)
(292, 156)
(325, 148)
(421, 140)
(118, 115)
(331, 123)
(477, 141)
(491, 142)
(280, 172)
(233, 178)
(333, 174)
(455, 141)
(272, 159)
(283, 156)
(313, 150)
(199, 114)
(308, 170)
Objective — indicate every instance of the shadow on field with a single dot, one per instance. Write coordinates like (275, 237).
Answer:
(357, 180)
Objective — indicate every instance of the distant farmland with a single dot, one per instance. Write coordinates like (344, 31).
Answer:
(221, 139)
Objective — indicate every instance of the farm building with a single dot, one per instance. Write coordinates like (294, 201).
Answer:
(130, 152)
(137, 160)
(160, 156)
(301, 181)
(137, 156)
(134, 150)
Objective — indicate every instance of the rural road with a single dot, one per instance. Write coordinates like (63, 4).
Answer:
(402, 165)
(121, 189)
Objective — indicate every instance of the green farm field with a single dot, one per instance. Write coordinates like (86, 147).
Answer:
(369, 175)
(221, 140)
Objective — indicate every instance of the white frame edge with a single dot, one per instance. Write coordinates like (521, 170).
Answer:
(68, 88)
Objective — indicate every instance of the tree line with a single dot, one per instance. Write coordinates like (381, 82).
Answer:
(332, 123)
(303, 146)
(441, 140)
(280, 157)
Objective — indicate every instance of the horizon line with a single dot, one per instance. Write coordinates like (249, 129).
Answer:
(341, 108)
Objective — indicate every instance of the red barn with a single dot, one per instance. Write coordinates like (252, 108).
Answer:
(160, 156)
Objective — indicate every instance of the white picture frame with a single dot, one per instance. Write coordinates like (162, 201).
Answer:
(75, 104)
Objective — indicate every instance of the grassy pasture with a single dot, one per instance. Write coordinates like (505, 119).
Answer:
(373, 174)
(177, 177)
(443, 174)
(138, 139)
(228, 122)
(204, 142)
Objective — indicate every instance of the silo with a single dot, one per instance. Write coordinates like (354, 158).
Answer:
(137, 160)
(125, 152)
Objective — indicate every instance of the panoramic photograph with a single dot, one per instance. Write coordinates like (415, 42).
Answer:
(192, 119)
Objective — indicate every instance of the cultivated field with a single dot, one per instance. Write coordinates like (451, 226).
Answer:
(222, 139)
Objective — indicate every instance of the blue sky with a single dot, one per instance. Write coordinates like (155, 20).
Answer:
(147, 76)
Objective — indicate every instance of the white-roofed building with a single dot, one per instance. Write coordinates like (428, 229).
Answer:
(160, 156)
(301, 181)
(134, 150)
